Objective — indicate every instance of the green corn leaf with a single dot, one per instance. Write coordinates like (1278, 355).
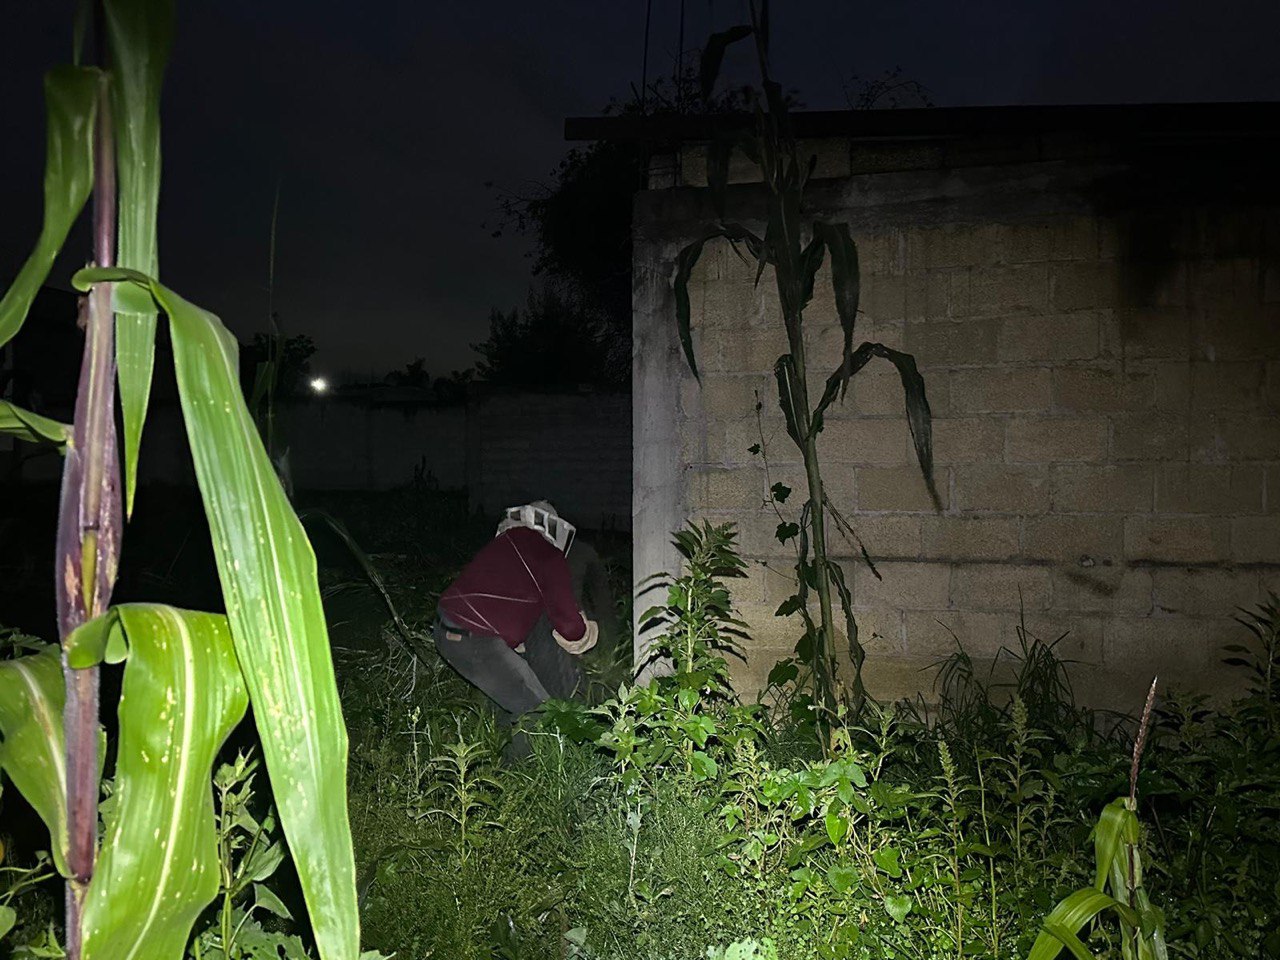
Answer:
(1064, 923)
(33, 749)
(181, 697)
(71, 98)
(1116, 826)
(268, 574)
(32, 427)
(139, 34)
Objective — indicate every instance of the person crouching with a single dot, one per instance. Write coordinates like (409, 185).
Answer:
(509, 623)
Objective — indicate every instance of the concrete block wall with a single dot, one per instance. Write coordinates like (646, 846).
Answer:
(1106, 424)
(574, 450)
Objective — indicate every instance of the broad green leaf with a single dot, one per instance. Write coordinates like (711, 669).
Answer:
(139, 34)
(268, 574)
(32, 427)
(33, 749)
(898, 906)
(1115, 827)
(181, 697)
(71, 98)
(1063, 925)
(265, 899)
(8, 917)
(842, 877)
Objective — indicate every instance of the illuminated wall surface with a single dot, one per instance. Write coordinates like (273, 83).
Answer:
(1097, 319)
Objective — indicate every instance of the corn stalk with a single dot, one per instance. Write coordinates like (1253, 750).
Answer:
(795, 247)
(188, 677)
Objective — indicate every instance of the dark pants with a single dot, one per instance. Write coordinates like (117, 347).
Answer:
(517, 683)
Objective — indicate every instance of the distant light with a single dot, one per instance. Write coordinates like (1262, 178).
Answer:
(319, 385)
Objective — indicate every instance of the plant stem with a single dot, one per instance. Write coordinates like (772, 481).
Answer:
(88, 541)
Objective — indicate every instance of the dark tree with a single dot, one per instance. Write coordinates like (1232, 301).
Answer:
(555, 341)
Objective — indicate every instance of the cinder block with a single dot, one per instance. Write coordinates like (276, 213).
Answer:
(883, 442)
(1002, 488)
(1084, 286)
(969, 538)
(1148, 436)
(1255, 539)
(883, 296)
(1101, 589)
(1001, 291)
(1074, 336)
(1221, 489)
(1246, 332)
(1272, 491)
(1086, 540)
(1000, 390)
(1225, 285)
(876, 390)
(735, 397)
(889, 679)
(952, 343)
(900, 584)
(1231, 437)
(879, 631)
(1227, 386)
(1201, 592)
(1173, 648)
(1056, 440)
(1175, 539)
(738, 488)
(886, 537)
(951, 245)
(896, 489)
(935, 634)
(967, 440)
(1062, 238)
(1273, 386)
(1129, 488)
(999, 586)
(1173, 386)
(1153, 332)
(1080, 389)
(928, 294)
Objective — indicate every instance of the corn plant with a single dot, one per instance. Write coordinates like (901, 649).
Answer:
(188, 677)
(795, 248)
(1117, 886)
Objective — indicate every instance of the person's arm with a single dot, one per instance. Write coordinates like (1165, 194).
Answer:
(570, 626)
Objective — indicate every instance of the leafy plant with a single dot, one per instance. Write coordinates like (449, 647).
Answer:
(1117, 885)
(249, 853)
(188, 677)
(795, 247)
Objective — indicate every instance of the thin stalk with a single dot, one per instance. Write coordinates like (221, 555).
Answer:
(88, 543)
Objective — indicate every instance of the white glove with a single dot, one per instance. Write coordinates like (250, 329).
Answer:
(578, 647)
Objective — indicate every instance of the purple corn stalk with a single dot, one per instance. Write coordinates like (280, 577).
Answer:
(89, 526)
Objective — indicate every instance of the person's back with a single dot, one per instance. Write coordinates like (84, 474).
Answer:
(489, 622)
(515, 578)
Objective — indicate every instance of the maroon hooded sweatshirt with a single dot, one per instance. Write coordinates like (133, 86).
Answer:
(515, 578)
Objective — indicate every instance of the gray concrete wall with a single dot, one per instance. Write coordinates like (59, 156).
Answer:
(574, 450)
(1101, 345)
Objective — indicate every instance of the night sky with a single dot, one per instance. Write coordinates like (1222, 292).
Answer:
(382, 123)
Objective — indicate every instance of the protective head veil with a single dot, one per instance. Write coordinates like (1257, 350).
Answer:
(542, 517)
